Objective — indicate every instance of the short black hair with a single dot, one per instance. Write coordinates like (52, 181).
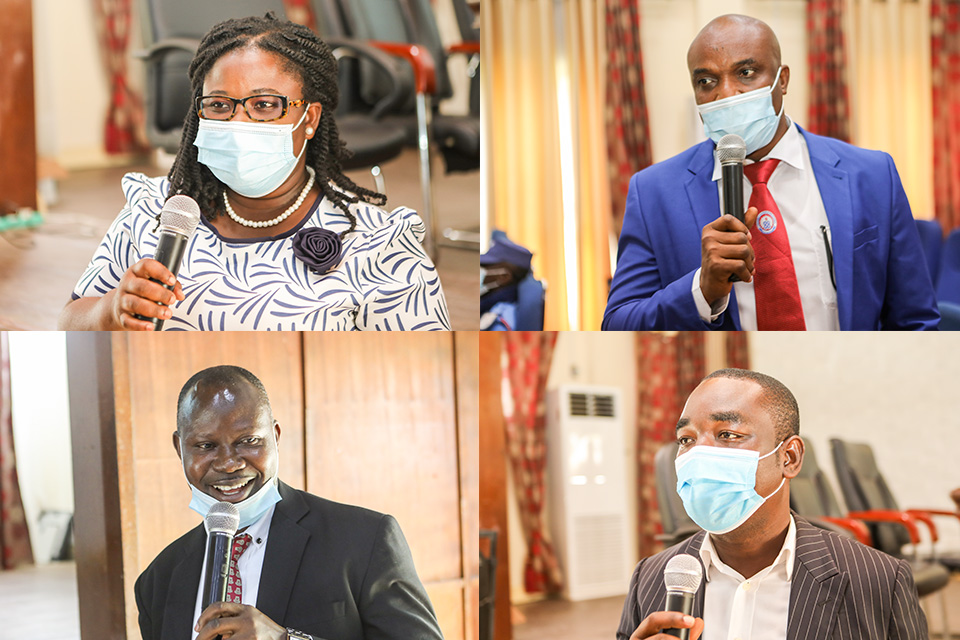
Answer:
(776, 398)
(306, 56)
(222, 374)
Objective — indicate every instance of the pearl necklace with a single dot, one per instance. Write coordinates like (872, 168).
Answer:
(280, 218)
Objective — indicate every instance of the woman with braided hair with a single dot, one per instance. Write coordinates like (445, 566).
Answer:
(286, 241)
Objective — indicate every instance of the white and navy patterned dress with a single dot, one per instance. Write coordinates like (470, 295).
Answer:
(384, 279)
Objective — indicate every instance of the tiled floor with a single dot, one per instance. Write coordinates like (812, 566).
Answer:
(39, 603)
(598, 619)
(38, 269)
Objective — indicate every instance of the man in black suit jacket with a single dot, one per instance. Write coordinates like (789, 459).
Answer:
(329, 571)
(839, 589)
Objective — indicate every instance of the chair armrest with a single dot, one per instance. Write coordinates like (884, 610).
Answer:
(923, 515)
(424, 69)
(155, 50)
(467, 48)
(385, 62)
(856, 527)
(936, 512)
(878, 515)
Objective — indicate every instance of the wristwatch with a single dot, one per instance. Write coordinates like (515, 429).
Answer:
(293, 634)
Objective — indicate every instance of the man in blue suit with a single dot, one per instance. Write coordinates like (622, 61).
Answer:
(853, 261)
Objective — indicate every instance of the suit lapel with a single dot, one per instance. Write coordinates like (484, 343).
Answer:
(183, 588)
(834, 186)
(817, 586)
(704, 200)
(281, 562)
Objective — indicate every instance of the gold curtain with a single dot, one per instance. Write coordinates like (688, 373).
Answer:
(888, 44)
(548, 185)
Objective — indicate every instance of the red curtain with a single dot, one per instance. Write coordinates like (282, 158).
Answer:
(301, 12)
(527, 364)
(945, 59)
(738, 351)
(669, 367)
(628, 129)
(14, 539)
(124, 130)
(829, 99)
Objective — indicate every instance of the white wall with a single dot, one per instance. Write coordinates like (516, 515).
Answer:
(896, 392)
(41, 426)
(586, 358)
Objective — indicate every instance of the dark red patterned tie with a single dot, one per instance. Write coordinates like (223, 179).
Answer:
(775, 282)
(234, 585)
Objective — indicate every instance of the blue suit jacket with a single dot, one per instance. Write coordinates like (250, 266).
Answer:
(882, 279)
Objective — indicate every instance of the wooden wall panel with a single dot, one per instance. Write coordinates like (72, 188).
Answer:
(466, 346)
(493, 475)
(18, 145)
(151, 369)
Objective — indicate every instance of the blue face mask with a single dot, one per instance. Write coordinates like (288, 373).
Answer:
(251, 509)
(252, 158)
(749, 115)
(718, 486)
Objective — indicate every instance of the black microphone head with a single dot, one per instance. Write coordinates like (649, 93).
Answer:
(683, 573)
(180, 214)
(223, 517)
(731, 148)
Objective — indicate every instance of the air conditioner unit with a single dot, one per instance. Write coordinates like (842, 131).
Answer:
(588, 508)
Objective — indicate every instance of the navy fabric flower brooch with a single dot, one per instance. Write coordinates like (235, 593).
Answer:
(317, 248)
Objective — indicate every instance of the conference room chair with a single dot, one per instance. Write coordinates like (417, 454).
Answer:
(949, 316)
(172, 32)
(408, 28)
(488, 583)
(948, 281)
(812, 496)
(865, 490)
(931, 239)
(469, 33)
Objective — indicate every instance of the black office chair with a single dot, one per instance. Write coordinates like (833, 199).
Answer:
(470, 32)
(866, 493)
(408, 28)
(677, 525)
(488, 584)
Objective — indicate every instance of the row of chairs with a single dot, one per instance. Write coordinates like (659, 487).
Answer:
(874, 517)
(943, 262)
(392, 75)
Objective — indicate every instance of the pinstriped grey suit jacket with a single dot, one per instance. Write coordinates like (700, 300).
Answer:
(840, 589)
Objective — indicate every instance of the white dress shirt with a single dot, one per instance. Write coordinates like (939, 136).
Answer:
(250, 565)
(738, 608)
(794, 188)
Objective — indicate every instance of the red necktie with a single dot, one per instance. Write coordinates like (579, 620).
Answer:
(775, 281)
(234, 585)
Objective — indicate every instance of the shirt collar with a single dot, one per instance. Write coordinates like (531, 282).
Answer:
(712, 562)
(788, 150)
(261, 527)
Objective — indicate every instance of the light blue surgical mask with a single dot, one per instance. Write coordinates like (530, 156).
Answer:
(749, 115)
(251, 509)
(252, 158)
(718, 486)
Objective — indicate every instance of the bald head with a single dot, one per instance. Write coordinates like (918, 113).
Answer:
(734, 30)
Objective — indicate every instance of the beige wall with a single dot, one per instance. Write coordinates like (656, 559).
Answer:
(897, 392)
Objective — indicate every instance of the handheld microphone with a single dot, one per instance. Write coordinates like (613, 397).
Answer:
(221, 523)
(682, 577)
(178, 220)
(731, 150)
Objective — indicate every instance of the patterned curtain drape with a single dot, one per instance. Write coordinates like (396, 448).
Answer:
(628, 127)
(827, 58)
(124, 131)
(301, 12)
(738, 351)
(14, 538)
(525, 369)
(945, 60)
(669, 366)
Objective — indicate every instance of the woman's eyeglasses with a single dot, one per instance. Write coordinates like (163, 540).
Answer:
(262, 108)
